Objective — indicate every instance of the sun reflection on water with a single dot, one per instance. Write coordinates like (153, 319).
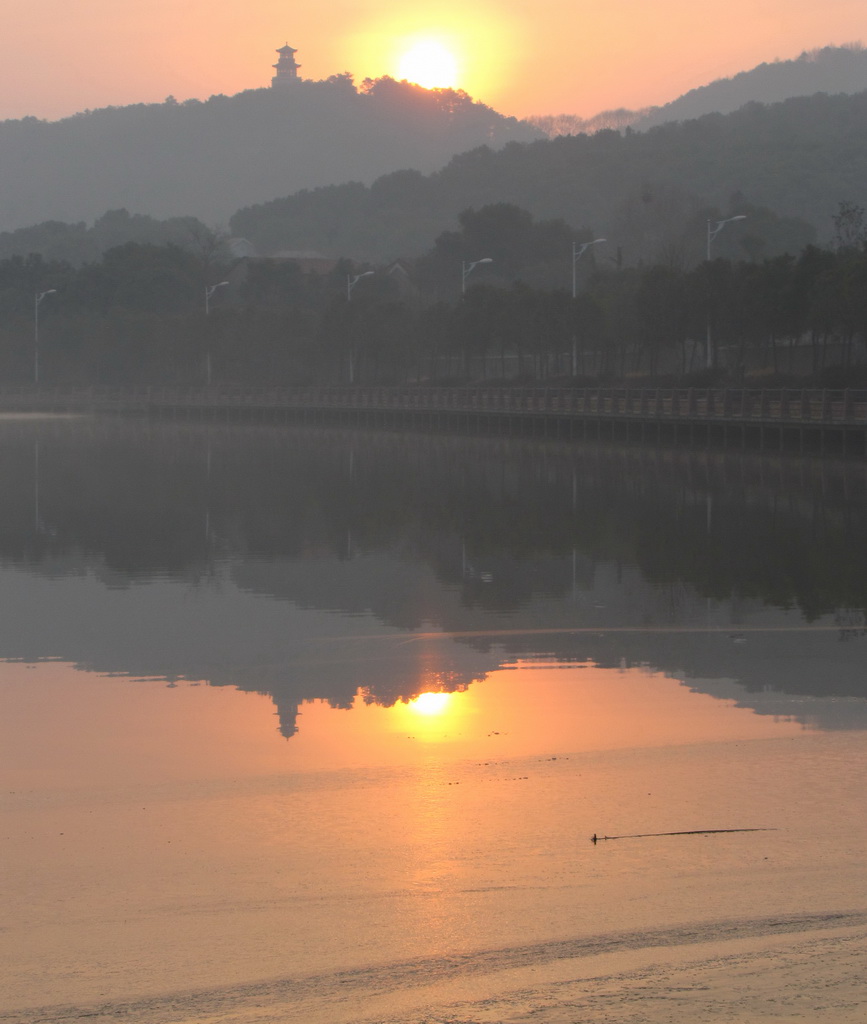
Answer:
(431, 703)
(434, 716)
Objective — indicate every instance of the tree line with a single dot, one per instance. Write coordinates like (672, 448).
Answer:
(492, 301)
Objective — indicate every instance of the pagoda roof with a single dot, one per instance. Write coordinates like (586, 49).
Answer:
(287, 49)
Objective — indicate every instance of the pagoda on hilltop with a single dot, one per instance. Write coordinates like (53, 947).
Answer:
(286, 67)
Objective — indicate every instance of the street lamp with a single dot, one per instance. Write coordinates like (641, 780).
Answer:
(351, 282)
(39, 297)
(209, 291)
(577, 252)
(468, 268)
(712, 232)
(720, 224)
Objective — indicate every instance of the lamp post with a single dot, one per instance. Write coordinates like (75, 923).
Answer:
(209, 292)
(577, 252)
(351, 282)
(468, 268)
(38, 300)
(712, 232)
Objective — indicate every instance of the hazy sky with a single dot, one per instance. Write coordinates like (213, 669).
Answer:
(553, 56)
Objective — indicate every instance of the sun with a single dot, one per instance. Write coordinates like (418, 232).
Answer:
(429, 64)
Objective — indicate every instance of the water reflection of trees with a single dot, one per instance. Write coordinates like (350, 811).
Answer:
(501, 520)
(518, 548)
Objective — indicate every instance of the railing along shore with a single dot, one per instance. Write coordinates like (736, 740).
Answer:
(790, 405)
(804, 418)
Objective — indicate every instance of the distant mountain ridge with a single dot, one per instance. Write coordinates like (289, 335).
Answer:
(829, 69)
(205, 159)
(650, 192)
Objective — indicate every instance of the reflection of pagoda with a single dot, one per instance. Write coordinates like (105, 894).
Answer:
(286, 67)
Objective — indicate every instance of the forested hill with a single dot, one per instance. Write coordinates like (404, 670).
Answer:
(643, 190)
(205, 159)
(832, 70)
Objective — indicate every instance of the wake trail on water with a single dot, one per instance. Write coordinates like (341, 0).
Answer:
(288, 998)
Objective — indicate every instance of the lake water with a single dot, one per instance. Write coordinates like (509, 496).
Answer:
(314, 725)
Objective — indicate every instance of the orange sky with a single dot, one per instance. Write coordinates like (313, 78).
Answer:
(550, 57)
